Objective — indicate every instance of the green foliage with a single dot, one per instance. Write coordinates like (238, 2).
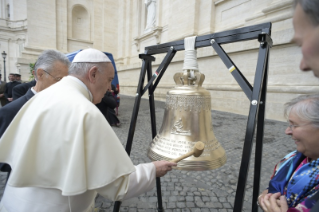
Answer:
(31, 70)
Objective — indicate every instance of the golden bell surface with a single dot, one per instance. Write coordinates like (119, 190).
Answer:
(187, 119)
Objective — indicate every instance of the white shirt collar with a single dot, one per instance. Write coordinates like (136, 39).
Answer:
(83, 85)
(33, 91)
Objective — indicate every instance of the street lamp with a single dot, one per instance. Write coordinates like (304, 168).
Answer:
(4, 54)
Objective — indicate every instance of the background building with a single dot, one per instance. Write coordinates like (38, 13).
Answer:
(125, 27)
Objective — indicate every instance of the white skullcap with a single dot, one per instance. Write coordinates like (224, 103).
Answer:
(91, 56)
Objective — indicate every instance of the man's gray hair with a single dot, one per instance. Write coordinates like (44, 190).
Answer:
(47, 60)
(311, 9)
(81, 68)
(305, 107)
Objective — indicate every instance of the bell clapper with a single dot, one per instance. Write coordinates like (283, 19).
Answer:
(196, 152)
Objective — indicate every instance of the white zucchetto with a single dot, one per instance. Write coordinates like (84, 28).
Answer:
(91, 56)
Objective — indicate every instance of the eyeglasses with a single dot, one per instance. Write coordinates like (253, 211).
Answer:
(55, 78)
(293, 126)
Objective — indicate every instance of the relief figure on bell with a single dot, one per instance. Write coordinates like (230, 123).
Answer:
(178, 128)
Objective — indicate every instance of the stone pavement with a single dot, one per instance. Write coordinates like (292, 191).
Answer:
(206, 191)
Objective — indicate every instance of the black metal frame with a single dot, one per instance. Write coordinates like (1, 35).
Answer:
(256, 95)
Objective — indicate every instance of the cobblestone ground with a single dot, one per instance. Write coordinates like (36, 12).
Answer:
(206, 191)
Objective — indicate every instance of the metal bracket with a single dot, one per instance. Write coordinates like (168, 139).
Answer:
(265, 38)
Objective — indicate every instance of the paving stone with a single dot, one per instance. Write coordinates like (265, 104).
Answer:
(189, 198)
(193, 189)
(181, 204)
(190, 204)
(214, 199)
(206, 199)
(178, 188)
(166, 193)
(198, 199)
(171, 205)
(172, 199)
(181, 198)
(197, 193)
(182, 193)
(170, 189)
(152, 199)
(199, 204)
(226, 205)
(222, 199)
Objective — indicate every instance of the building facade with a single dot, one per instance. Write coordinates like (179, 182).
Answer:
(124, 28)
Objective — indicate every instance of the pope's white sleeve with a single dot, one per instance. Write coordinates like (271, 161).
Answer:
(115, 190)
(142, 180)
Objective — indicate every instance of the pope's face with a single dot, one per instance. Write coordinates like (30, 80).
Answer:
(103, 82)
(307, 37)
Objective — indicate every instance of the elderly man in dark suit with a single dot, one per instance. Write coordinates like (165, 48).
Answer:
(3, 100)
(51, 67)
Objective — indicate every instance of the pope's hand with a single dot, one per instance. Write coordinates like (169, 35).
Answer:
(162, 167)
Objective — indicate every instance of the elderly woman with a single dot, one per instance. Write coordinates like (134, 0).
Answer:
(296, 176)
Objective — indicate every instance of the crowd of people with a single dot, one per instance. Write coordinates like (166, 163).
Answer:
(62, 150)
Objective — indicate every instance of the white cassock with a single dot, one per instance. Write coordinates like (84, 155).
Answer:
(63, 151)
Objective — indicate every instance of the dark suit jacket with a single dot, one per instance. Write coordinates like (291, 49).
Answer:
(3, 100)
(7, 113)
(22, 89)
(9, 87)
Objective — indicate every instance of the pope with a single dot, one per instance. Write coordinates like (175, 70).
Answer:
(63, 151)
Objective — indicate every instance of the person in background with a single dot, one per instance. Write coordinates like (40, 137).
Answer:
(18, 77)
(9, 87)
(117, 99)
(3, 100)
(107, 106)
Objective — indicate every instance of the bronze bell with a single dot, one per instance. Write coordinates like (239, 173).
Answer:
(187, 119)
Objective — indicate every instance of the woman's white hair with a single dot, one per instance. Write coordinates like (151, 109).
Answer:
(305, 107)
(80, 69)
